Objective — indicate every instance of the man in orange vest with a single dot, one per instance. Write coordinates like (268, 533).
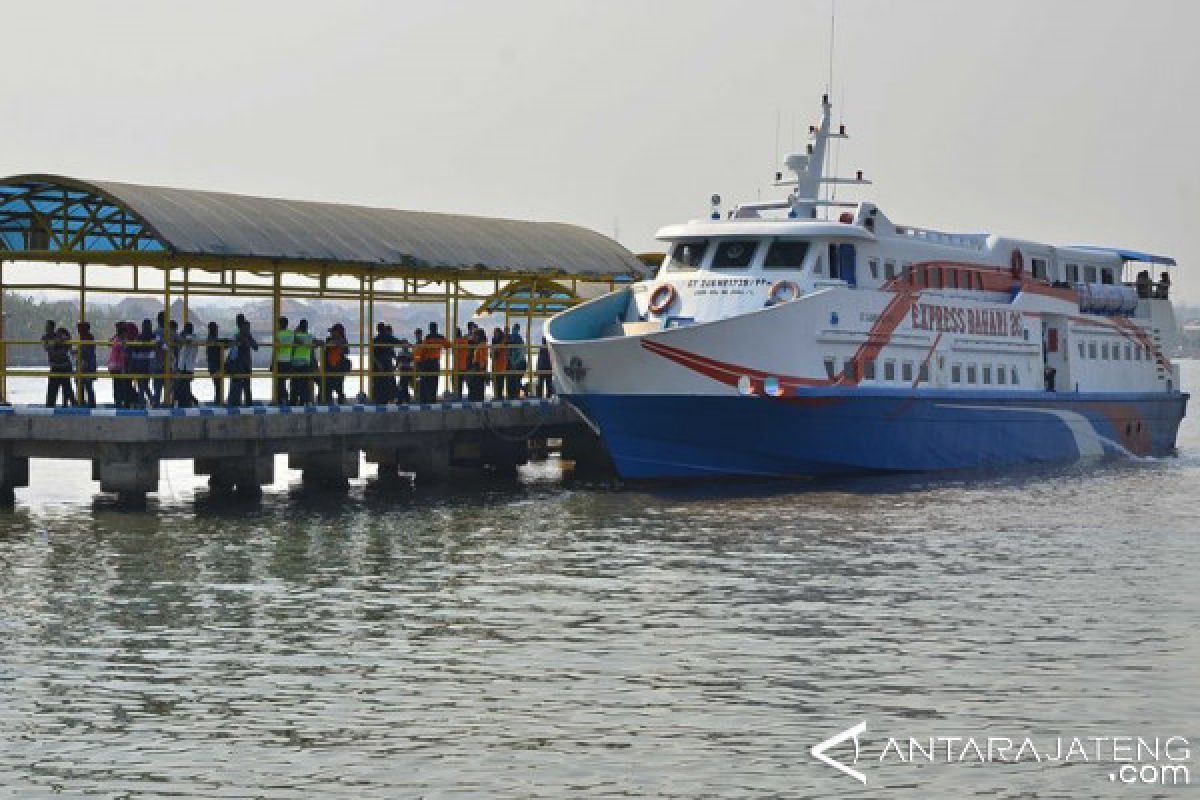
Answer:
(478, 365)
(429, 364)
(462, 359)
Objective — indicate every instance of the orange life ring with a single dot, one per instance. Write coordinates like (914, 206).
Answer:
(662, 298)
(778, 288)
(1018, 265)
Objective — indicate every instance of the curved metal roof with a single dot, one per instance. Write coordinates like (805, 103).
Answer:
(204, 223)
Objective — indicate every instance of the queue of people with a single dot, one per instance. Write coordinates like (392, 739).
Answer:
(154, 364)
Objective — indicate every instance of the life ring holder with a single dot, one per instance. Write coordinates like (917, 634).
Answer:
(1018, 265)
(662, 298)
(779, 289)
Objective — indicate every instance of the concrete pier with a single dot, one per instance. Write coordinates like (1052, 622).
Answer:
(236, 447)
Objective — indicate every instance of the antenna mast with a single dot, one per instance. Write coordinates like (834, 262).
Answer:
(830, 191)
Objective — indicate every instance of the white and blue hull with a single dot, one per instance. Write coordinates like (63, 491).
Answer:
(826, 432)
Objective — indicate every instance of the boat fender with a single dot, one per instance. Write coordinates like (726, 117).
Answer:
(783, 292)
(662, 298)
(1018, 265)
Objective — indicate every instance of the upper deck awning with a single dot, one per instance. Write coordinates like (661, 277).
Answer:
(55, 218)
(1127, 255)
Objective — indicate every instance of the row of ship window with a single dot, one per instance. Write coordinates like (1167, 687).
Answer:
(790, 253)
(904, 371)
(1112, 352)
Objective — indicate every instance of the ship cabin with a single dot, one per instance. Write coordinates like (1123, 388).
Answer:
(1097, 318)
(865, 250)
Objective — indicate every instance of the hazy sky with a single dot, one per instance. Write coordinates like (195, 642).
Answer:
(1071, 122)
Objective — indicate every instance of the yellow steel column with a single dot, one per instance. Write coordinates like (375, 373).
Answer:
(362, 314)
(456, 376)
(448, 332)
(82, 318)
(186, 297)
(276, 313)
(168, 367)
(369, 331)
(3, 343)
(529, 357)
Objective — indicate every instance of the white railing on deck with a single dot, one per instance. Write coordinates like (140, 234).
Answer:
(971, 241)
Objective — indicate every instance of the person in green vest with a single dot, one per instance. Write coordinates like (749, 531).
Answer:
(302, 365)
(284, 341)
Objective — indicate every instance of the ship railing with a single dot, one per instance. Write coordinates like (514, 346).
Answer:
(964, 240)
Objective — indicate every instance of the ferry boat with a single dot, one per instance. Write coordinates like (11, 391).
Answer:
(773, 342)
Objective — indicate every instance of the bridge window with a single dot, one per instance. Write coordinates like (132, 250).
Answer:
(1082, 350)
(869, 369)
(850, 369)
(972, 373)
(987, 374)
(1072, 273)
(1001, 375)
(786, 254)
(889, 370)
(1092, 350)
(1104, 351)
(1137, 354)
(1106, 276)
(873, 264)
(688, 255)
(1089, 274)
(889, 269)
(923, 372)
(952, 279)
(906, 372)
(956, 373)
(734, 254)
(1013, 375)
(830, 368)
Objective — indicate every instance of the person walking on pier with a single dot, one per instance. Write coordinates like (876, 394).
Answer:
(383, 386)
(58, 358)
(162, 357)
(302, 365)
(185, 354)
(499, 363)
(461, 358)
(337, 364)
(430, 364)
(281, 360)
(478, 365)
(212, 354)
(404, 368)
(545, 387)
(517, 362)
(118, 364)
(144, 357)
(87, 365)
(240, 364)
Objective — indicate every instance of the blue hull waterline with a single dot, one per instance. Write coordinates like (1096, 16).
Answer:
(826, 432)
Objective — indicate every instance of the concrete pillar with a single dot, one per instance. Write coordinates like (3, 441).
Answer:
(247, 474)
(328, 469)
(429, 462)
(14, 474)
(128, 472)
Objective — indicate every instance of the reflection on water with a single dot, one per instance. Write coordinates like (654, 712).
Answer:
(533, 638)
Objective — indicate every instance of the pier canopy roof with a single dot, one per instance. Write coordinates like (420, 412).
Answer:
(55, 218)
